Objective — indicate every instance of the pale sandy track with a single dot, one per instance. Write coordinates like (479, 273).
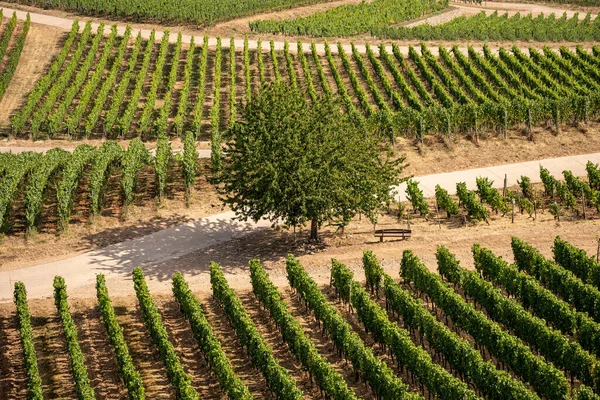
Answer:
(460, 9)
(152, 251)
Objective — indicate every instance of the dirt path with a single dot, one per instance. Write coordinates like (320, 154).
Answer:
(161, 252)
(460, 9)
(42, 43)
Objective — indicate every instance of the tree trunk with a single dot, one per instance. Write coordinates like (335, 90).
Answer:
(314, 230)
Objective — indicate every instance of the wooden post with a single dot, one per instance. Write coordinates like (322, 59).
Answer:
(437, 214)
(513, 210)
(505, 185)
(598, 251)
(535, 210)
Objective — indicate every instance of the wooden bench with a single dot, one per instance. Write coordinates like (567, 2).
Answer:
(402, 233)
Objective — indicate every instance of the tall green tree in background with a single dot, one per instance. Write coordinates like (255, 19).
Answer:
(296, 162)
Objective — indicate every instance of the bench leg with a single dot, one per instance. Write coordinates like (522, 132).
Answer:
(381, 239)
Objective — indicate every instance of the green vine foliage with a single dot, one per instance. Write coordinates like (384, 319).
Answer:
(364, 363)
(490, 195)
(127, 370)
(34, 381)
(15, 174)
(376, 322)
(445, 202)
(108, 158)
(415, 196)
(555, 347)
(593, 173)
(577, 261)
(261, 354)
(329, 380)
(42, 175)
(494, 383)
(73, 171)
(545, 379)
(189, 164)
(373, 271)
(208, 342)
(584, 297)
(162, 162)
(78, 368)
(134, 160)
(180, 380)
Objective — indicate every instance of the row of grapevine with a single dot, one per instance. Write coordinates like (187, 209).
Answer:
(109, 82)
(30, 176)
(78, 368)
(124, 122)
(495, 27)
(208, 342)
(41, 87)
(577, 261)
(197, 115)
(202, 12)
(448, 95)
(582, 296)
(157, 75)
(544, 378)
(215, 134)
(555, 347)
(461, 356)
(438, 381)
(330, 382)
(127, 370)
(59, 86)
(7, 34)
(57, 118)
(34, 381)
(350, 19)
(541, 301)
(184, 97)
(180, 380)
(261, 354)
(161, 125)
(14, 55)
(232, 83)
(374, 371)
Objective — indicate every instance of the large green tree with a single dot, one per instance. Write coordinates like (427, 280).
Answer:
(296, 162)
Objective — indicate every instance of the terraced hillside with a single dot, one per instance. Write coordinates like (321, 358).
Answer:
(124, 87)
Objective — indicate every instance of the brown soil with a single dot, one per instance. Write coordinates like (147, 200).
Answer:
(42, 43)
(145, 218)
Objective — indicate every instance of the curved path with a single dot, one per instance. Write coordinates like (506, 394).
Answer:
(459, 9)
(117, 261)
(66, 23)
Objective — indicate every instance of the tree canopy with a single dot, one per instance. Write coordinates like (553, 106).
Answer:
(292, 161)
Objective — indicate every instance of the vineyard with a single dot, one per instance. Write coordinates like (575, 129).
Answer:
(496, 27)
(570, 197)
(42, 189)
(105, 86)
(12, 41)
(527, 330)
(352, 19)
(204, 12)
